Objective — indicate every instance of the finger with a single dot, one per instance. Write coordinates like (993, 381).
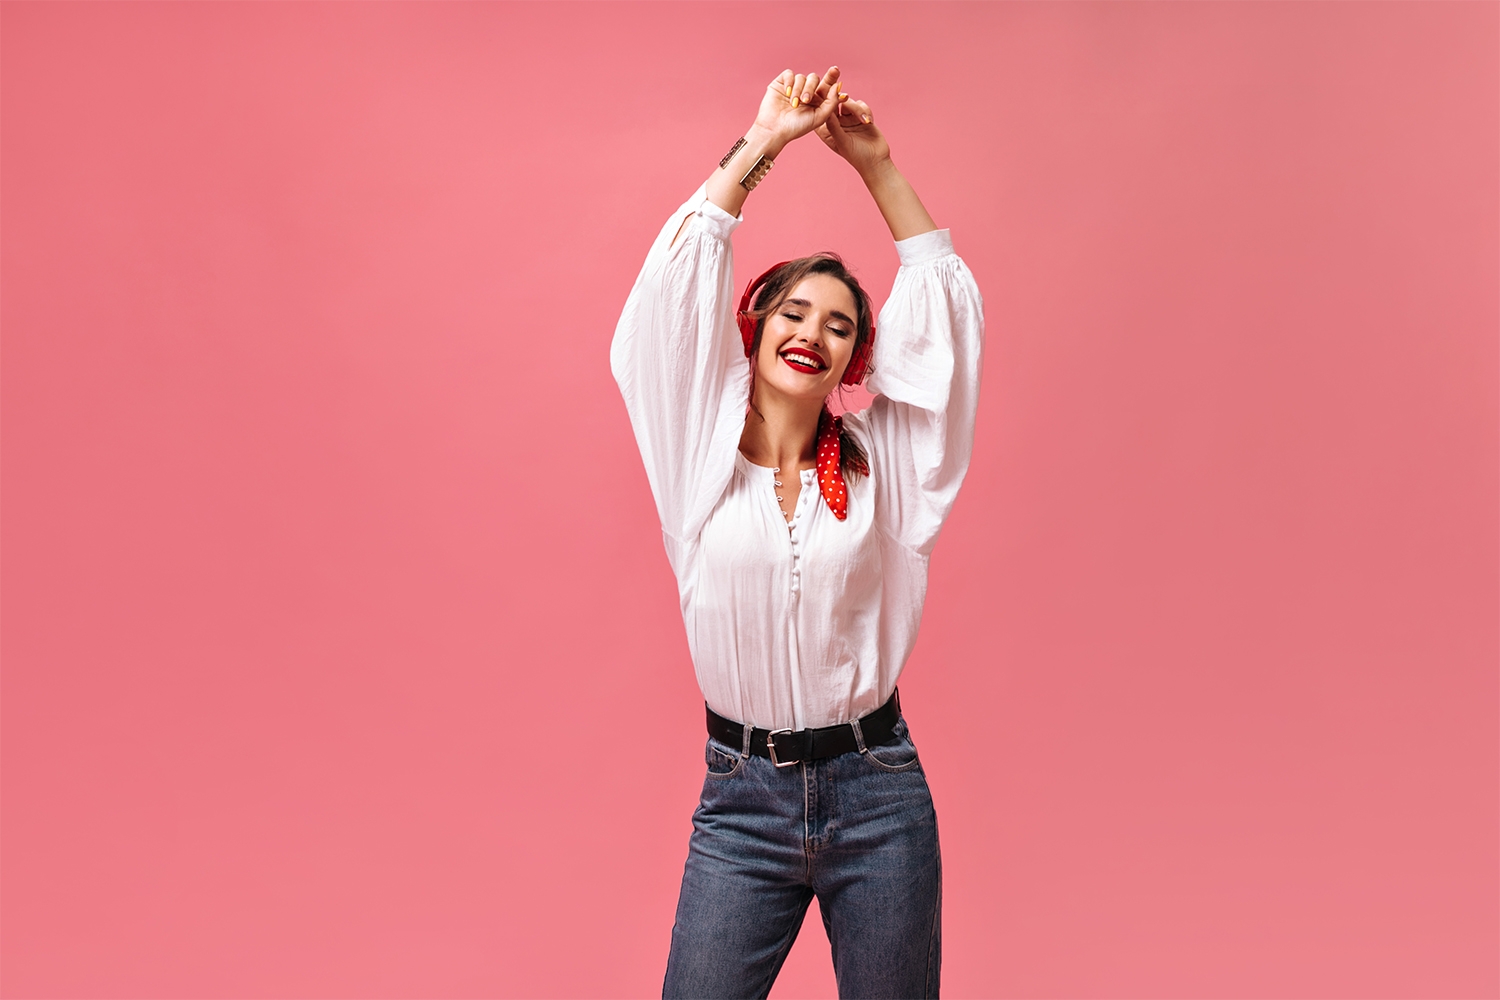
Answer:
(809, 93)
(860, 110)
(833, 126)
(830, 81)
(783, 83)
(825, 112)
(796, 92)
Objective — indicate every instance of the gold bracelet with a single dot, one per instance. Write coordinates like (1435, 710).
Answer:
(756, 173)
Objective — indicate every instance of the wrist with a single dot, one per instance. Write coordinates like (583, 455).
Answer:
(880, 172)
(743, 167)
(764, 142)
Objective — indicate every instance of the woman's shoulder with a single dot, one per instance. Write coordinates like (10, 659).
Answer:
(863, 426)
(861, 422)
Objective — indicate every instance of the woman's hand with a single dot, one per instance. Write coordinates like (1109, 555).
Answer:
(796, 104)
(852, 134)
(793, 106)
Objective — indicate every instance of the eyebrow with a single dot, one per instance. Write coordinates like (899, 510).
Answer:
(832, 312)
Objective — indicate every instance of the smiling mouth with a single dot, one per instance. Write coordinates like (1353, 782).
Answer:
(802, 361)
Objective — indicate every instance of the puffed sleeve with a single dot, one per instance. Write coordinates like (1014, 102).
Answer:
(679, 362)
(920, 427)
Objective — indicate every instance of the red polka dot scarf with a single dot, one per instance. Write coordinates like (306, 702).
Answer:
(830, 475)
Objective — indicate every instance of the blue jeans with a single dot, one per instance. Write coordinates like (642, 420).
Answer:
(858, 831)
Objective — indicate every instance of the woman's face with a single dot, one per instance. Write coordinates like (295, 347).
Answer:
(807, 342)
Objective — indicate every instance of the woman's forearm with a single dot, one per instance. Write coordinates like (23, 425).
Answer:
(723, 187)
(897, 201)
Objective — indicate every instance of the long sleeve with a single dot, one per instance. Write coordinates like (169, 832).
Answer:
(926, 365)
(680, 365)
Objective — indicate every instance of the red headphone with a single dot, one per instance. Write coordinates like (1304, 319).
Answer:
(859, 364)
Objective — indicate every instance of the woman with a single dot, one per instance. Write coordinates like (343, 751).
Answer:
(800, 543)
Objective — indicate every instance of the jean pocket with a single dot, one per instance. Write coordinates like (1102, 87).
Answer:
(898, 755)
(721, 760)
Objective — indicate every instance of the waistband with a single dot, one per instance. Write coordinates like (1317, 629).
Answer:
(785, 747)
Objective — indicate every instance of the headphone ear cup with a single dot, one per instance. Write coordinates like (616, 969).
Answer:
(855, 373)
(747, 329)
(859, 364)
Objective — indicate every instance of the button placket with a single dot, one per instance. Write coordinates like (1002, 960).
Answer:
(796, 549)
(808, 494)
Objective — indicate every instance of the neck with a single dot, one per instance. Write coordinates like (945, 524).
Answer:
(783, 433)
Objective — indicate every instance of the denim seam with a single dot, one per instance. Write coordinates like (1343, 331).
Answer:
(786, 947)
(807, 811)
(895, 768)
(932, 934)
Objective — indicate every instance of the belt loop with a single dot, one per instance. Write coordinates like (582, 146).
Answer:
(859, 735)
(745, 747)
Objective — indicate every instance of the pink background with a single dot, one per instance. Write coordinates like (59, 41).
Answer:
(341, 656)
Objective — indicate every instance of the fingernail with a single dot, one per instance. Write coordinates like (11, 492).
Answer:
(789, 91)
(866, 118)
(796, 101)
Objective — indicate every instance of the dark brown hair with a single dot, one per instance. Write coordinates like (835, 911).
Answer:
(852, 459)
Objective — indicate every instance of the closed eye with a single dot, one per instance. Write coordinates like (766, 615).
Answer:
(838, 331)
(834, 314)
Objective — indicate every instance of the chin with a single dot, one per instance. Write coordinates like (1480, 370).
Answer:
(795, 388)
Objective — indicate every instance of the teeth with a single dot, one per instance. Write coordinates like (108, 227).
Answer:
(803, 359)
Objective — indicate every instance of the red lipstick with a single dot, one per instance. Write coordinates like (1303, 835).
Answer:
(802, 361)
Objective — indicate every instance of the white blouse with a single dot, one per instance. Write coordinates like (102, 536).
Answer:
(807, 627)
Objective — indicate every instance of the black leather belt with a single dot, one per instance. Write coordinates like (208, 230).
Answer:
(785, 747)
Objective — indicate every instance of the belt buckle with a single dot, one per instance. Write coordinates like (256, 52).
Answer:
(771, 747)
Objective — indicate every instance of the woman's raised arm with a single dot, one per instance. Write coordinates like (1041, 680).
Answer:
(927, 355)
(852, 134)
